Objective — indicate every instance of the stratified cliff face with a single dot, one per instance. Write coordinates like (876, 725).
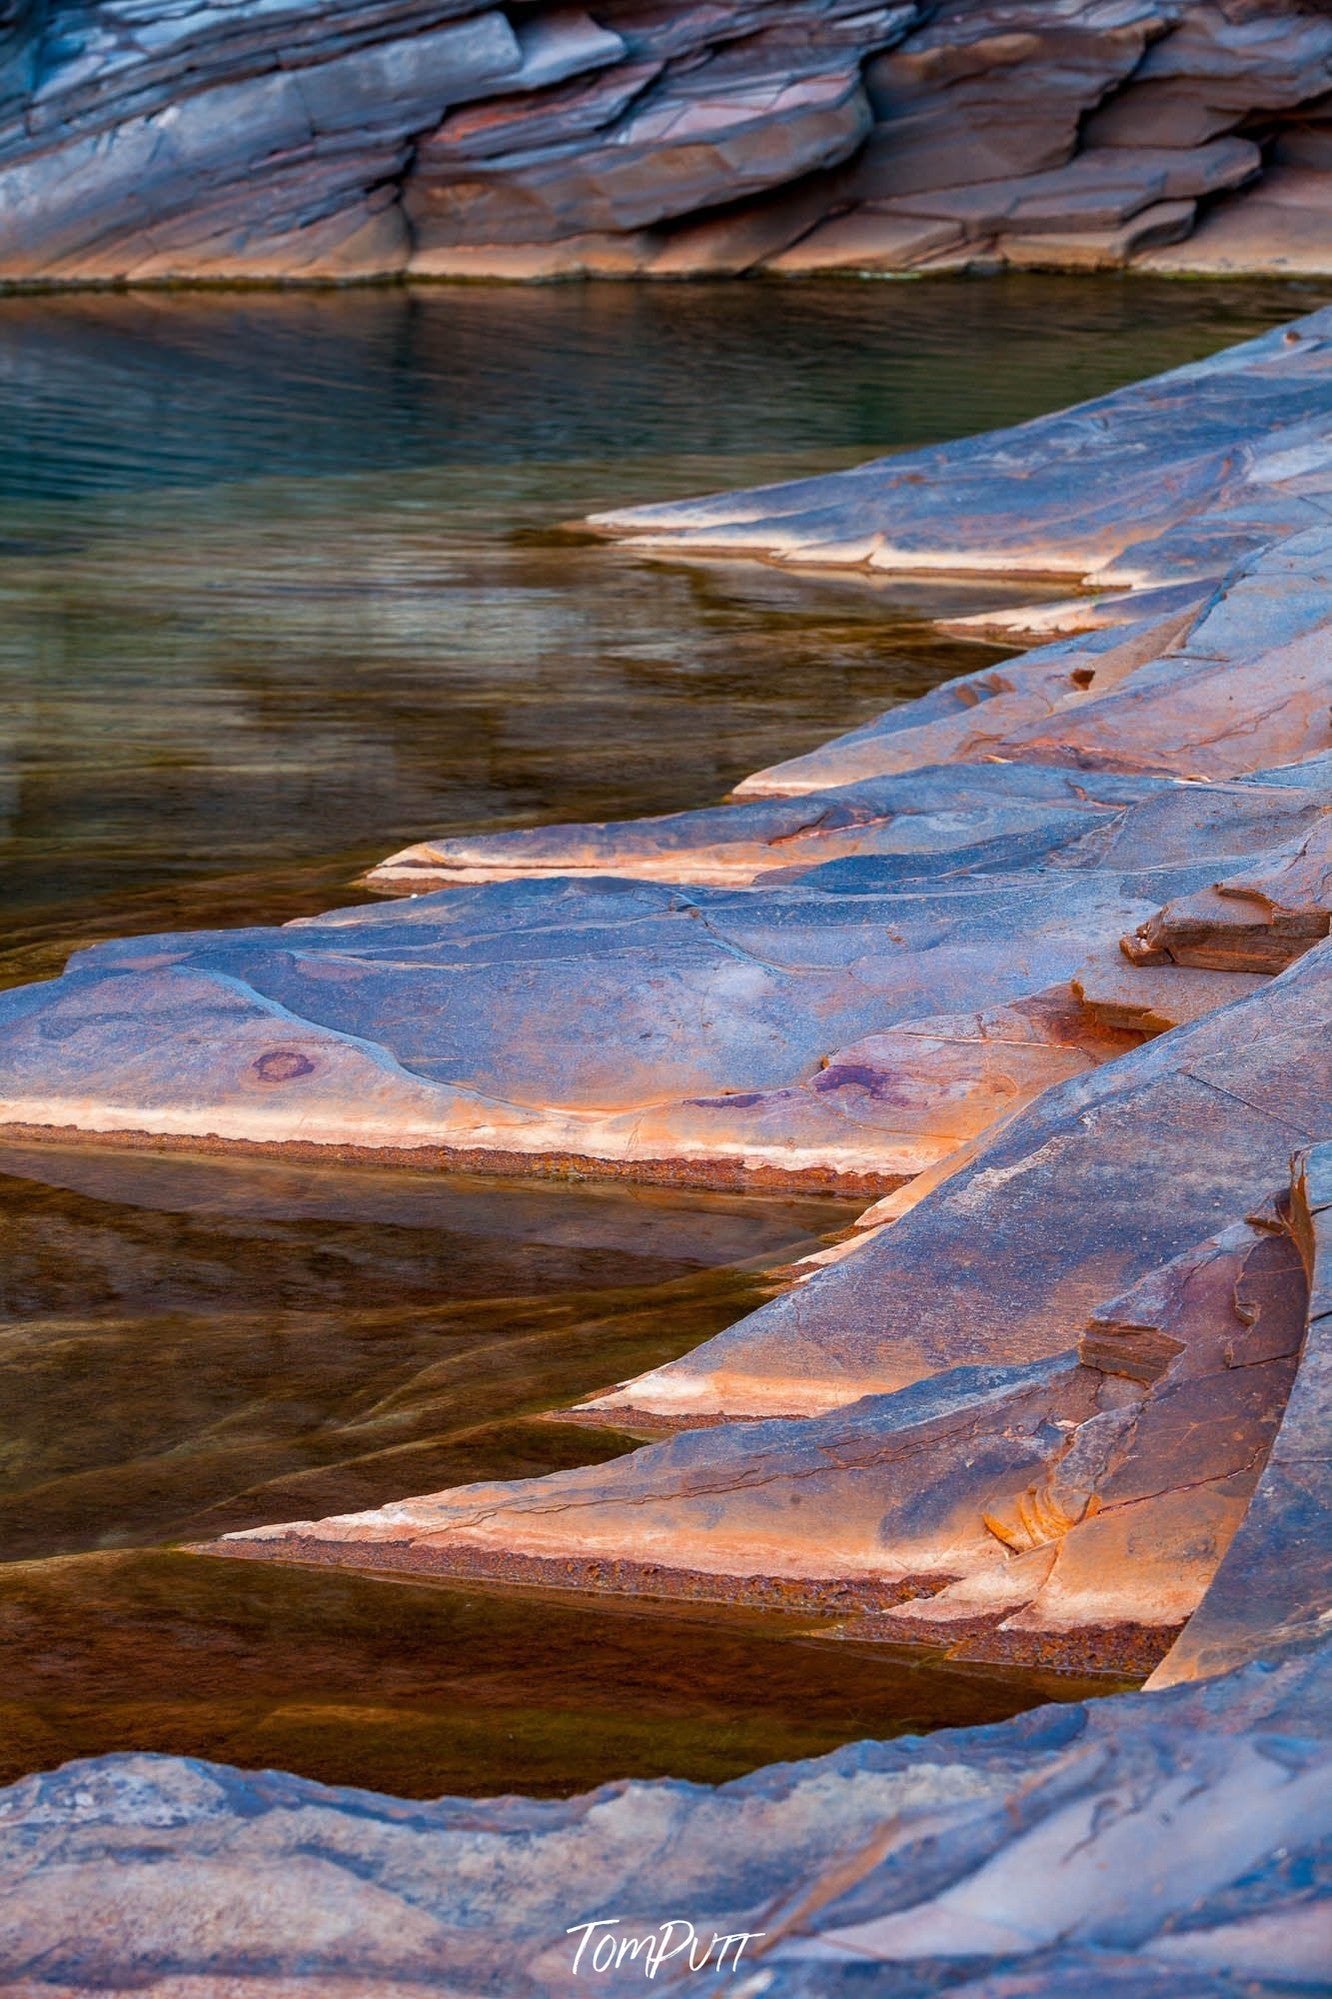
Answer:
(336, 139)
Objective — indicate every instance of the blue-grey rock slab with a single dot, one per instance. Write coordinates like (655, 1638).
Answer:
(1171, 1842)
(1090, 492)
(620, 1025)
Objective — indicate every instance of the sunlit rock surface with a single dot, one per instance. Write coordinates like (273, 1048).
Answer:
(1169, 1843)
(849, 1026)
(1022, 1412)
(1050, 977)
(820, 988)
(1081, 1194)
(149, 140)
(858, 976)
(1069, 1511)
(1175, 479)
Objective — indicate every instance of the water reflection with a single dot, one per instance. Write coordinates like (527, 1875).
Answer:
(279, 591)
(193, 1345)
(426, 1688)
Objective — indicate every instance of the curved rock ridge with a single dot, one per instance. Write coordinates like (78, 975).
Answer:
(151, 140)
(1171, 1844)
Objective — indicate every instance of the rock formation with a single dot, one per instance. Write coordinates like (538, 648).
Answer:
(1168, 1845)
(1042, 960)
(897, 941)
(1045, 967)
(149, 140)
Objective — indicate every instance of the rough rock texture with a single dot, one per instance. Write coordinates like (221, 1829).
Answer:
(1172, 481)
(1073, 1510)
(157, 139)
(1081, 1194)
(1272, 1590)
(1169, 1843)
(1054, 972)
(865, 980)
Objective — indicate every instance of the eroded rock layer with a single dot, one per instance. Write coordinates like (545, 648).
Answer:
(1172, 1844)
(149, 140)
(1072, 1510)
(859, 975)
(1048, 971)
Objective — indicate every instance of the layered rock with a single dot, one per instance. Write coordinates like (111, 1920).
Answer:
(863, 980)
(1170, 1843)
(1070, 1511)
(1055, 986)
(145, 140)
(1173, 480)
(706, 1035)
(850, 1024)
(1082, 1193)
(1271, 1590)
(1024, 1409)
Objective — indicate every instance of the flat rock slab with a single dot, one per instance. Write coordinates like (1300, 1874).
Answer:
(1067, 494)
(1074, 1510)
(946, 812)
(617, 1025)
(1170, 1843)
(908, 825)
(1282, 229)
(1081, 1194)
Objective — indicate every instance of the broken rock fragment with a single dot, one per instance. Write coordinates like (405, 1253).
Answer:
(1259, 920)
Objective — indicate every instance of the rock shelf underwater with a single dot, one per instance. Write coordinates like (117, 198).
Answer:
(1041, 961)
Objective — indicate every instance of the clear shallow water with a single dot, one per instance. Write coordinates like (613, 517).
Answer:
(281, 587)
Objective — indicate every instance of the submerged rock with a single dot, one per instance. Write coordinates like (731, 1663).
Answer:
(1071, 1510)
(145, 140)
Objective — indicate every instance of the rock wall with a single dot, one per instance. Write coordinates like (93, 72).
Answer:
(148, 140)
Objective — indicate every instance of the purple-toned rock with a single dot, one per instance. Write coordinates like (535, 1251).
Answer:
(1070, 1512)
(1174, 478)
(149, 140)
(1161, 1846)
(1259, 920)
(1080, 1195)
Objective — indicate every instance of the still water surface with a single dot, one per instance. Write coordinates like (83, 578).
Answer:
(281, 587)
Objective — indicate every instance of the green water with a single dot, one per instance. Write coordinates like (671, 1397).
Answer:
(282, 586)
